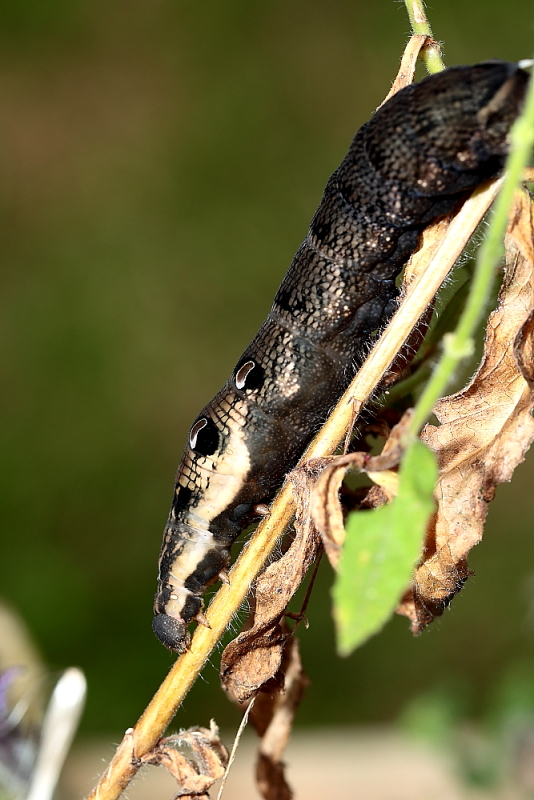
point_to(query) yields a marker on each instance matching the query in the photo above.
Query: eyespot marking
(242, 372)
(204, 437)
(249, 375)
(195, 430)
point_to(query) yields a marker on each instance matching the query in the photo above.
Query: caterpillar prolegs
(419, 155)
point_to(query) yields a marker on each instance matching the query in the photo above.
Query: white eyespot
(242, 372)
(195, 430)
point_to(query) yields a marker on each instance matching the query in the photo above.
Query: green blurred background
(160, 164)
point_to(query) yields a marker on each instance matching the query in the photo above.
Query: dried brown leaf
(274, 718)
(205, 763)
(485, 430)
(271, 780)
(374, 498)
(325, 506)
(252, 659)
(255, 656)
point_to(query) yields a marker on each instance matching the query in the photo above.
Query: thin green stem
(459, 344)
(431, 54)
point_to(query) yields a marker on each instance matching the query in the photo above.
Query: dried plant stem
(405, 75)
(431, 53)
(419, 293)
(239, 734)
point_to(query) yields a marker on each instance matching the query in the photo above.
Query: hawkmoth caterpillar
(420, 154)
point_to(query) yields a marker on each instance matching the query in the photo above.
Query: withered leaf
(254, 657)
(380, 551)
(205, 762)
(271, 780)
(485, 430)
(273, 718)
(325, 506)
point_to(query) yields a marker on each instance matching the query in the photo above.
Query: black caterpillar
(420, 154)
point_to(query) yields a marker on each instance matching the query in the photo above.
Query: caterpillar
(420, 154)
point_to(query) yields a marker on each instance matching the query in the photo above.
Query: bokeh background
(160, 163)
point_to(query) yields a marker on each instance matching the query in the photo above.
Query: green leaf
(380, 551)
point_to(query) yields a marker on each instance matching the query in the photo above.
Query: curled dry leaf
(485, 430)
(325, 506)
(326, 509)
(273, 716)
(205, 762)
(255, 656)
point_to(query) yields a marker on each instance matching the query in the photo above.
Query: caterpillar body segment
(415, 160)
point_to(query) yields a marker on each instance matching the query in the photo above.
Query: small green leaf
(380, 552)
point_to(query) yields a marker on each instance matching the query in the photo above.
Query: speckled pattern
(414, 161)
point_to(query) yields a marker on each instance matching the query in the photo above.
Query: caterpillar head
(171, 632)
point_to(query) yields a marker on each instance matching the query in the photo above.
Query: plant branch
(431, 53)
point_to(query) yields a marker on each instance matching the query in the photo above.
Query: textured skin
(419, 155)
